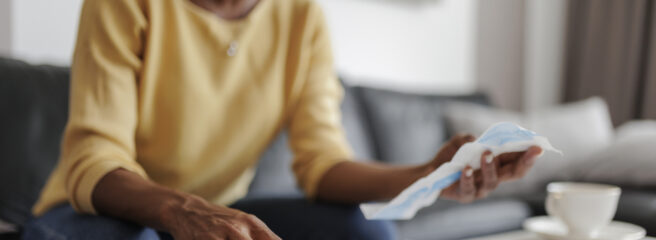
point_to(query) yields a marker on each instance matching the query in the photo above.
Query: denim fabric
(290, 218)
(63, 223)
(297, 218)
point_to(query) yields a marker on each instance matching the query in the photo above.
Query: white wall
(5, 27)
(417, 46)
(43, 31)
(510, 49)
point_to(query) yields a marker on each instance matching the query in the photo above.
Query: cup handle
(551, 206)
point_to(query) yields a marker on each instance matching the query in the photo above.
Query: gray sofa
(398, 128)
(393, 127)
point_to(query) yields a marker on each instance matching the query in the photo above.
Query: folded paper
(499, 138)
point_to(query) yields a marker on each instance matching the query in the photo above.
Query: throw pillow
(635, 128)
(630, 161)
(578, 129)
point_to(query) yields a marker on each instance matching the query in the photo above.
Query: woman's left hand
(478, 184)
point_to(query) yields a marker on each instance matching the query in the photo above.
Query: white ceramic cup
(585, 208)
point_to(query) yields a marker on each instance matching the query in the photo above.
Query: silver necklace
(232, 48)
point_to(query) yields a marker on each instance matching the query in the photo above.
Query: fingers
(473, 186)
(512, 157)
(489, 175)
(237, 234)
(509, 158)
(521, 165)
(234, 231)
(450, 148)
(534, 152)
(247, 227)
(467, 188)
(259, 230)
(506, 172)
(461, 139)
(457, 141)
(526, 161)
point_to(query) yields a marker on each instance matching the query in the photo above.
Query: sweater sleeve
(316, 135)
(99, 136)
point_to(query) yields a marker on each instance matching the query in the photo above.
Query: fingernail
(541, 151)
(469, 172)
(489, 158)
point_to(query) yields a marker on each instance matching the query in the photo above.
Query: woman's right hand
(125, 195)
(195, 218)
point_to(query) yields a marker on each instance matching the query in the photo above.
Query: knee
(360, 228)
(63, 223)
(300, 219)
(379, 230)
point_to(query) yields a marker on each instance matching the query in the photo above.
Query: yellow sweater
(158, 89)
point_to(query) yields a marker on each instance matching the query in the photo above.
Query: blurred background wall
(5, 23)
(40, 31)
(510, 49)
(429, 45)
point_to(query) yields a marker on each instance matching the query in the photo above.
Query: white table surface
(521, 235)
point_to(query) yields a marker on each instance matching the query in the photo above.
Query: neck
(227, 9)
(227, 2)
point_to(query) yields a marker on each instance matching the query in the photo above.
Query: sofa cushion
(578, 129)
(638, 206)
(274, 177)
(451, 220)
(273, 174)
(628, 162)
(34, 105)
(356, 124)
(408, 128)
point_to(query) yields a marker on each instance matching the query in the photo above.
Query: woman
(172, 102)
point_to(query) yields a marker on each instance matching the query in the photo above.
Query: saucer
(550, 228)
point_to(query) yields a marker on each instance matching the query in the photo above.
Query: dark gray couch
(393, 127)
(398, 128)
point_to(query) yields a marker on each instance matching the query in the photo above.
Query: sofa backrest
(33, 113)
(274, 176)
(397, 128)
(34, 110)
(408, 128)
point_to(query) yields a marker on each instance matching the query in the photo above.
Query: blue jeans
(290, 218)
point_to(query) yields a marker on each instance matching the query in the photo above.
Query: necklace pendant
(232, 49)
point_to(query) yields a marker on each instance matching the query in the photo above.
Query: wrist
(171, 209)
(406, 178)
(428, 168)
